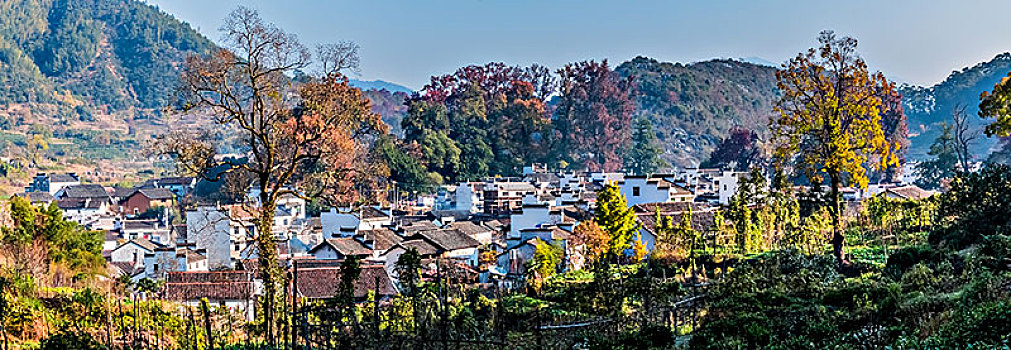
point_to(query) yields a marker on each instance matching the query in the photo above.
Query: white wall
(466, 198)
(727, 184)
(129, 252)
(529, 217)
(211, 229)
(648, 191)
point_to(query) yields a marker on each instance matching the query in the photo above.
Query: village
(486, 230)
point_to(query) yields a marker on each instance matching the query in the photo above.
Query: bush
(68, 340)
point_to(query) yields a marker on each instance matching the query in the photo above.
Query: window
(635, 191)
(155, 267)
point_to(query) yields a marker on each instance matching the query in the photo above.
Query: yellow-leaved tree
(828, 120)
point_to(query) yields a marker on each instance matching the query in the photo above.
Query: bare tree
(964, 135)
(311, 140)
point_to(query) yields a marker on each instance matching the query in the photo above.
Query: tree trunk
(270, 272)
(836, 211)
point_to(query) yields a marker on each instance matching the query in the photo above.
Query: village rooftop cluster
(487, 230)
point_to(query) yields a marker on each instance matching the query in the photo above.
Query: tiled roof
(469, 228)
(320, 283)
(216, 285)
(910, 192)
(211, 291)
(37, 197)
(143, 243)
(210, 277)
(458, 215)
(516, 186)
(86, 191)
(122, 192)
(174, 181)
(372, 213)
(63, 178)
(423, 247)
(449, 239)
(382, 239)
(157, 193)
(79, 203)
(345, 246)
(141, 225)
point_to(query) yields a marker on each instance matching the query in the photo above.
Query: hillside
(930, 106)
(111, 54)
(88, 80)
(693, 106)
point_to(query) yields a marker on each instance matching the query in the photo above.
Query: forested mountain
(112, 54)
(693, 106)
(928, 107)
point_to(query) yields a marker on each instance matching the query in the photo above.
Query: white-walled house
(220, 235)
(173, 259)
(645, 189)
(235, 290)
(470, 196)
(727, 183)
(52, 183)
(133, 251)
(532, 216)
(338, 223)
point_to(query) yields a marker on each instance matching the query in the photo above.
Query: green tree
(547, 259)
(408, 173)
(829, 119)
(644, 155)
(944, 151)
(615, 217)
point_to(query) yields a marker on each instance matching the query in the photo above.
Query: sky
(406, 42)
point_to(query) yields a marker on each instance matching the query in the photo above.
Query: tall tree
(594, 115)
(312, 140)
(739, 151)
(615, 217)
(829, 119)
(946, 159)
(963, 134)
(644, 155)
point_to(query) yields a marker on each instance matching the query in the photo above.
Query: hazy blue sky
(407, 41)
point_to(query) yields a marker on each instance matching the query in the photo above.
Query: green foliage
(67, 243)
(69, 340)
(975, 207)
(48, 46)
(945, 160)
(547, 259)
(408, 272)
(616, 219)
(405, 169)
(644, 155)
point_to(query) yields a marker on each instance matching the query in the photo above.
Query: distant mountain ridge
(928, 107)
(380, 85)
